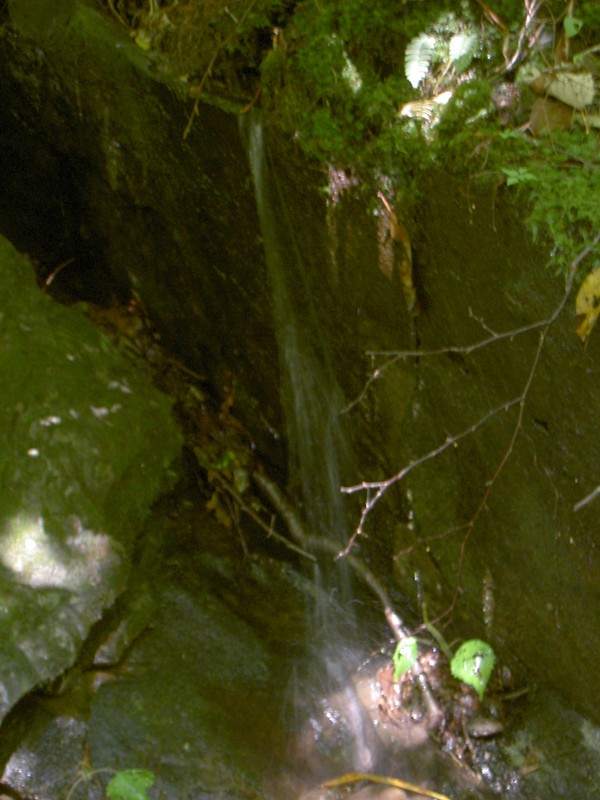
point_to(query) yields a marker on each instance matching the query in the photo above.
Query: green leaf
(572, 26)
(462, 50)
(417, 58)
(517, 175)
(130, 784)
(473, 663)
(405, 656)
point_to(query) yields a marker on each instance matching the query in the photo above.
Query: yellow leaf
(143, 39)
(587, 304)
(221, 513)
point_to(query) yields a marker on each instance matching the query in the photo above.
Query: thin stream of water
(312, 399)
(317, 442)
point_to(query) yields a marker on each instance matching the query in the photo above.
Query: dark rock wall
(177, 221)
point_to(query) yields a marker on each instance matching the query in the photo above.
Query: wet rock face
(193, 692)
(530, 557)
(178, 221)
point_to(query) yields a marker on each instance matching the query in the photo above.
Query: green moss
(565, 198)
(339, 86)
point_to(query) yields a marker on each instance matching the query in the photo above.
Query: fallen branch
(309, 541)
(587, 499)
(229, 489)
(353, 777)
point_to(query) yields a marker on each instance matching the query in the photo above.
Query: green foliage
(462, 49)
(518, 175)
(405, 655)
(465, 114)
(130, 784)
(358, 83)
(417, 58)
(565, 201)
(559, 180)
(473, 664)
(572, 26)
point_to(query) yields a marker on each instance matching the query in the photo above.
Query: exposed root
(353, 777)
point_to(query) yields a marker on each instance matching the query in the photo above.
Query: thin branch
(587, 499)
(209, 68)
(399, 355)
(531, 7)
(230, 490)
(375, 490)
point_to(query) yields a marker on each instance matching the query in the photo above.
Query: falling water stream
(312, 398)
(318, 445)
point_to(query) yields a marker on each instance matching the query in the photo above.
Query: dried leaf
(221, 513)
(401, 255)
(587, 304)
(550, 115)
(575, 88)
(425, 109)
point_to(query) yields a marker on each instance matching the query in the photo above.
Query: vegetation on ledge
(504, 93)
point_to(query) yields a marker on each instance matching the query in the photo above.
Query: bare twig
(230, 490)
(587, 499)
(374, 490)
(531, 9)
(354, 777)
(401, 355)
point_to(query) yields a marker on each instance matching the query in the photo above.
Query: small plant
(405, 655)
(130, 784)
(127, 784)
(518, 175)
(472, 663)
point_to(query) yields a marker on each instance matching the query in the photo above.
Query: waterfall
(318, 446)
(311, 396)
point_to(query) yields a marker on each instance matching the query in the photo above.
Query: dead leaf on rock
(587, 304)
(215, 504)
(550, 115)
(574, 88)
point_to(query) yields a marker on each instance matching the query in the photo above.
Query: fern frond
(462, 50)
(417, 58)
